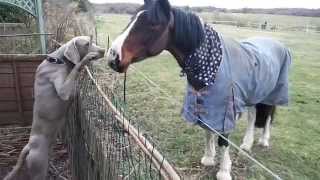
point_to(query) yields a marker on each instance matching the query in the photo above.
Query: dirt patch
(12, 140)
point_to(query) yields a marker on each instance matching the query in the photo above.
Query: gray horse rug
(224, 76)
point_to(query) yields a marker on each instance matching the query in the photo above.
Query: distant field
(295, 135)
(282, 20)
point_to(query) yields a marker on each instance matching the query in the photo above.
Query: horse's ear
(166, 7)
(171, 21)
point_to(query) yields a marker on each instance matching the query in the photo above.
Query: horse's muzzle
(113, 60)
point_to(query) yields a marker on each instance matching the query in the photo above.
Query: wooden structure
(16, 88)
(34, 8)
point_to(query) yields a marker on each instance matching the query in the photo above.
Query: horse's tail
(19, 165)
(263, 111)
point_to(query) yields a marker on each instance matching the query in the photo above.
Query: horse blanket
(251, 71)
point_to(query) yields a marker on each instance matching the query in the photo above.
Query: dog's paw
(208, 161)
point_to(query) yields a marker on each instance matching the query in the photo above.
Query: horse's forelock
(158, 12)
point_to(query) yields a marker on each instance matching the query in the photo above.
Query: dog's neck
(68, 63)
(60, 60)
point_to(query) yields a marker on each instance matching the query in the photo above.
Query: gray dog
(53, 89)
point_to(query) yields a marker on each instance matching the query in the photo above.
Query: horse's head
(148, 34)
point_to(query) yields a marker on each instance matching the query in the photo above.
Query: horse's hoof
(246, 147)
(263, 142)
(223, 175)
(208, 161)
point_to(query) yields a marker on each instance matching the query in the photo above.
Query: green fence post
(41, 26)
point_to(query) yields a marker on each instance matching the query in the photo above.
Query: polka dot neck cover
(202, 65)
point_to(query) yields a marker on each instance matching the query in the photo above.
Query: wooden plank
(8, 106)
(26, 93)
(17, 85)
(22, 64)
(9, 118)
(17, 73)
(27, 105)
(13, 118)
(6, 68)
(6, 80)
(6, 71)
(21, 57)
(8, 94)
(28, 67)
(26, 79)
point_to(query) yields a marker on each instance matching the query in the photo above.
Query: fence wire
(22, 43)
(100, 147)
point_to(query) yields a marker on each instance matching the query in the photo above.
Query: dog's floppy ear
(71, 52)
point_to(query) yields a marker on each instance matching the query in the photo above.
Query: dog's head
(77, 48)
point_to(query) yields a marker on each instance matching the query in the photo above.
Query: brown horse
(157, 27)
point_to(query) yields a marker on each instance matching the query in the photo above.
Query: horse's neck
(179, 56)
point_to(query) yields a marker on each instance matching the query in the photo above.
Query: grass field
(295, 143)
(282, 21)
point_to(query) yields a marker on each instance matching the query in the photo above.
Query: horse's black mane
(188, 29)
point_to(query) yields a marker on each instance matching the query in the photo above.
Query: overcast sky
(233, 3)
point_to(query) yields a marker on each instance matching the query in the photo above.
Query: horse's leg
(264, 139)
(249, 136)
(210, 151)
(224, 172)
(264, 118)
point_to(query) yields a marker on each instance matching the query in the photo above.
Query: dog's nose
(102, 51)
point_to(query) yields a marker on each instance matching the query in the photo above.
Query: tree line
(130, 8)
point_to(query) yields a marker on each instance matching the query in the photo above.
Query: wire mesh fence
(102, 142)
(22, 43)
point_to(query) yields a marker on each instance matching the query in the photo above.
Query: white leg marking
(118, 42)
(225, 165)
(264, 139)
(238, 116)
(249, 136)
(209, 151)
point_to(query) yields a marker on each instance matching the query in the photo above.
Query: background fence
(22, 43)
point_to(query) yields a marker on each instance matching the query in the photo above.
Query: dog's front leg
(66, 86)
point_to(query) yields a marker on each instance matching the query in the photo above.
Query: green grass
(282, 20)
(295, 143)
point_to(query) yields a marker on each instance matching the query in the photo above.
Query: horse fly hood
(250, 72)
(202, 65)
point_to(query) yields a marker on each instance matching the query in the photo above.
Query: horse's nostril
(113, 55)
(117, 59)
(113, 59)
(112, 64)
(113, 52)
